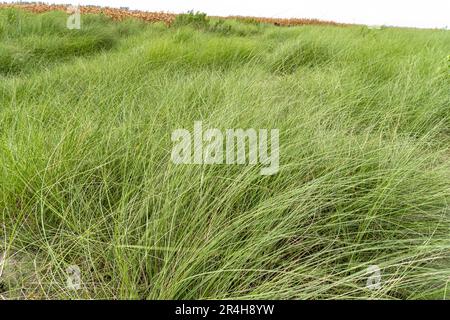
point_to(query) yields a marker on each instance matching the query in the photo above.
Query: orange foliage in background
(167, 18)
(116, 14)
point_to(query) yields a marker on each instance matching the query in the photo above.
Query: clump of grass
(52, 49)
(12, 59)
(290, 57)
(29, 40)
(197, 20)
(226, 27)
(232, 27)
(190, 51)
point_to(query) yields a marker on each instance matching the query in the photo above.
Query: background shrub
(197, 20)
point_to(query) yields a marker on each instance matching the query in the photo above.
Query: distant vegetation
(199, 21)
(167, 18)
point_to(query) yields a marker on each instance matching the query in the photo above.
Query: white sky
(411, 13)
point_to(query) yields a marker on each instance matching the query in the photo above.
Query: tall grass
(28, 40)
(86, 177)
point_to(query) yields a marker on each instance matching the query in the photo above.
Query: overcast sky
(412, 13)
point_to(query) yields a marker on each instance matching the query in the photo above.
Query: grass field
(86, 179)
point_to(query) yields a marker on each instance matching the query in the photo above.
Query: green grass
(28, 40)
(86, 178)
